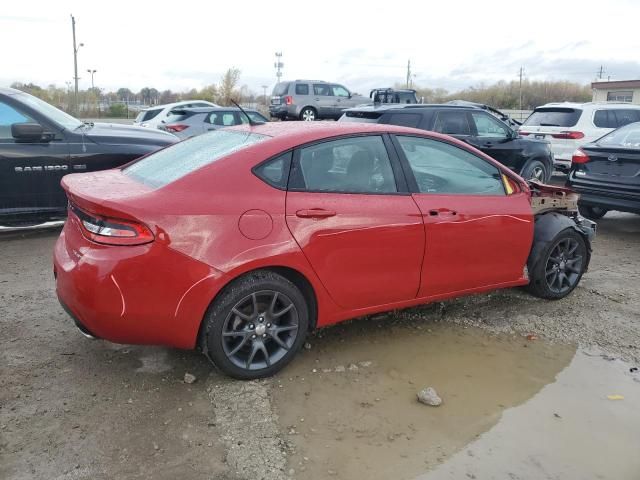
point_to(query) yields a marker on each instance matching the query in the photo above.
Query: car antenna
(252, 122)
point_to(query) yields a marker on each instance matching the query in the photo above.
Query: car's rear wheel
(256, 326)
(536, 170)
(559, 268)
(592, 212)
(308, 114)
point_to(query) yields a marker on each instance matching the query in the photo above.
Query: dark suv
(530, 158)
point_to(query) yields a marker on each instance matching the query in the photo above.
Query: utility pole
(278, 65)
(408, 73)
(600, 72)
(75, 63)
(520, 74)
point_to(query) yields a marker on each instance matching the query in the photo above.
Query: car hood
(118, 134)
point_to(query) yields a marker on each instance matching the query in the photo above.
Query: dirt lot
(345, 408)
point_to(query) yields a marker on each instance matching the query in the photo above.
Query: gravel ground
(73, 408)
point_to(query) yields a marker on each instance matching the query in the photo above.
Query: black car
(606, 173)
(530, 158)
(39, 144)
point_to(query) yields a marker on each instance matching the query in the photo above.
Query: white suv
(157, 116)
(568, 126)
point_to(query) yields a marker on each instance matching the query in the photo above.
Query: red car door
(477, 235)
(363, 238)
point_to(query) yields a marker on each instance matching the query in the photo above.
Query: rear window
(553, 117)
(281, 88)
(149, 114)
(362, 117)
(180, 159)
(403, 119)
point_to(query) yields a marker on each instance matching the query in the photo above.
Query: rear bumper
(610, 197)
(145, 294)
(610, 201)
(279, 111)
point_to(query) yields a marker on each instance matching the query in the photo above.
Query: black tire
(308, 114)
(565, 255)
(536, 170)
(592, 212)
(248, 353)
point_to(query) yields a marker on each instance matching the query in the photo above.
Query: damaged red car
(240, 241)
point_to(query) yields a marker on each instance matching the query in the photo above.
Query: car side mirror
(27, 131)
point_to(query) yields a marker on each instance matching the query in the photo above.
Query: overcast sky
(451, 44)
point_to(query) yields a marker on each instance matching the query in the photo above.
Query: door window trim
(295, 171)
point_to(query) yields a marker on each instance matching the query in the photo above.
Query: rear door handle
(315, 213)
(441, 212)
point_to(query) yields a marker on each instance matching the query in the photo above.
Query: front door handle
(315, 213)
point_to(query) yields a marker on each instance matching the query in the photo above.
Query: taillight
(176, 127)
(288, 100)
(579, 156)
(523, 133)
(567, 135)
(111, 231)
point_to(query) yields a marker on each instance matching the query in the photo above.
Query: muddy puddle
(348, 405)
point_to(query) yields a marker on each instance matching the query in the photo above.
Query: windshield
(174, 162)
(58, 116)
(624, 137)
(553, 117)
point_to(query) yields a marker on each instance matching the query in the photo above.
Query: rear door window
(452, 122)
(222, 119)
(302, 89)
(321, 89)
(553, 117)
(625, 117)
(348, 165)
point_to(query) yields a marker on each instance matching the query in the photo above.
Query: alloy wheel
(564, 266)
(308, 115)
(260, 329)
(538, 173)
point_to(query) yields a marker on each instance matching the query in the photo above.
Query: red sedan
(240, 241)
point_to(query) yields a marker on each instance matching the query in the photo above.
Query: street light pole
(92, 72)
(264, 94)
(75, 62)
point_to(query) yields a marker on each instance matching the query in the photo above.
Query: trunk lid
(611, 165)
